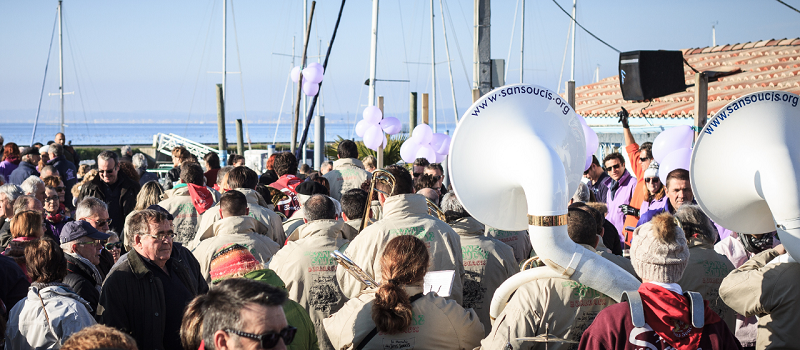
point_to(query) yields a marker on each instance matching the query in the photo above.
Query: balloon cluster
(424, 143)
(373, 127)
(312, 76)
(592, 142)
(672, 149)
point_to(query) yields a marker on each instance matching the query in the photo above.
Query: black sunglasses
(269, 340)
(651, 179)
(615, 166)
(643, 159)
(417, 174)
(110, 246)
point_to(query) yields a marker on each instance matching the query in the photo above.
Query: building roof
(754, 66)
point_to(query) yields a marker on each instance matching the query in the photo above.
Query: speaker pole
(424, 108)
(571, 93)
(700, 102)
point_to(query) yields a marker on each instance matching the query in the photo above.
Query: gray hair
(106, 156)
(88, 207)
(319, 207)
(582, 194)
(695, 223)
(138, 223)
(125, 150)
(56, 149)
(11, 191)
(30, 185)
(452, 208)
(139, 161)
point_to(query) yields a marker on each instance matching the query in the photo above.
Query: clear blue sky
(152, 57)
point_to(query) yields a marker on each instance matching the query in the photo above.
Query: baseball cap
(77, 229)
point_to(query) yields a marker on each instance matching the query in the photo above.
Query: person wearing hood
(304, 191)
(27, 166)
(706, 267)
(81, 244)
(620, 191)
(244, 180)
(52, 311)
(487, 261)
(235, 226)
(306, 265)
(348, 172)
(404, 213)
(235, 261)
(188, 200)
(659, 255)
(285, 166)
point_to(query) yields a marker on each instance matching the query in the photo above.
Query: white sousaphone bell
(531, 148)
(745, 169)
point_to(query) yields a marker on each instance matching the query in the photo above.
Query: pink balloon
(427, 152)
(591, 140)
(362, 126)
(677, 159)
(440, 158)
(316, 66)
(408, 151)
(441, 143)
(310, 89)
(385, 142)
(422, 133)
(295, 74)
(373, 114)
(390, 125)
(588, 162)
(373, 137)
(312, 74)
(672, 139)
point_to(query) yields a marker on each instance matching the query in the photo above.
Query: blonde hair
(99, 337)
(151, 193)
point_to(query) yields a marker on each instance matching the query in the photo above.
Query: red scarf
(669, 315)
(201, 198)
(61, 214)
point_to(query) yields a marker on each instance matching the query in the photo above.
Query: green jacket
(296, 315)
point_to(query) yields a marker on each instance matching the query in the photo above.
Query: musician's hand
(629, 210)
(623, 118)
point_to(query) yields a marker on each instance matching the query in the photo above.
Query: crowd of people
(213, 257)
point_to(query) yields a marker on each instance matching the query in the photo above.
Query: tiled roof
(756, 66)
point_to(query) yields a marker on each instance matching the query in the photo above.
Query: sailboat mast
(60, 67)
(224, 48)
(433, 73)
(572, 69)
(373, 53)
(522, 45)
(449, 68)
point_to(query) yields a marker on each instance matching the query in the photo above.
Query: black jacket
(121, 199)
(22, 172)
(68, 173)
(80, 280)
(5, 234)
(132, 298)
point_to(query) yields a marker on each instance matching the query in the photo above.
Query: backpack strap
(696, 308)
(374, 331)
(637, 308)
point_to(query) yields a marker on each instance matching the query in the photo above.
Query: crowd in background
(212, 257)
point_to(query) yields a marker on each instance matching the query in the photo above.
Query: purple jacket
(655, 204)
(6, 168)
(619, 193)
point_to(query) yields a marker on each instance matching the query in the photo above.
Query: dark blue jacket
(68, 173)
(22, 172)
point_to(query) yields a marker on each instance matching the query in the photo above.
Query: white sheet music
(440, 282)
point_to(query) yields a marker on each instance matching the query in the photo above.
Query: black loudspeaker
(649, 74)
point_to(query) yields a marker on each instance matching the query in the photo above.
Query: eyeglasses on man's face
(160, 237)
(270, 339)
(613, 167)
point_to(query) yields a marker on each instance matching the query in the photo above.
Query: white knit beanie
(652, 170)
(659, 251)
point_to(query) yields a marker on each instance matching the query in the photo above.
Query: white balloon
(670, 140)
(373, 137)
(588, 162)
(373, 114)
(296, 74)
(440, 158)
(391, 125)
(408, 151)
(362, 126)
(427, 152)
(312, 75)
(316, 66)
(422, 133)
(677, 159)
(591, 140)
(310, 89)
(385, 142)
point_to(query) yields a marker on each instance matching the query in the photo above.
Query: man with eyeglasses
(437, 172)
(244, 314)
(146, 291)
(66, 170)
(116, 190)
(598, 180)
(620, 190)
(81, 244)
(95, 212)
